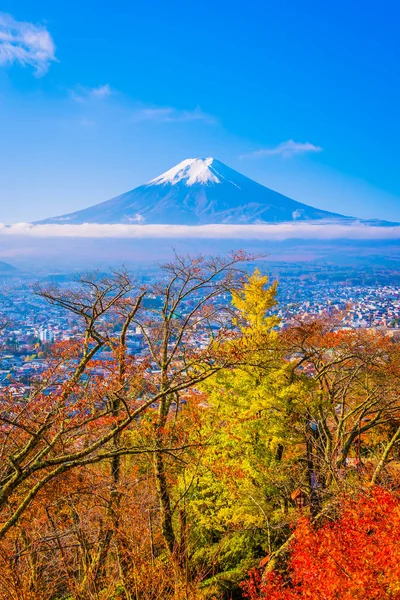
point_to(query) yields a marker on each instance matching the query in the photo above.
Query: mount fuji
(200, 191)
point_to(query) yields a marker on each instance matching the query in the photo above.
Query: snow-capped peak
(190, 171)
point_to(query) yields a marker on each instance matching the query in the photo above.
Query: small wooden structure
(299, 498)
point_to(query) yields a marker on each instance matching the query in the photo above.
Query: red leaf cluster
(354, 557)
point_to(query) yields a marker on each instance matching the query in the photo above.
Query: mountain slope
(6, 269)
(198, 192)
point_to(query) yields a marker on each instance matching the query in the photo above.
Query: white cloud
(285, 149)
(82, 94)
(26, 44)
(103, 91)
(172, 115)
(137, 112)
(282, 231)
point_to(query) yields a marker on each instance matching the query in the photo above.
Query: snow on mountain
(190, 171)
(199, 191)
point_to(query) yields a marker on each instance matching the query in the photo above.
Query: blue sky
(97, 98)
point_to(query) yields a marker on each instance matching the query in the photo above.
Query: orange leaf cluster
(355, 557)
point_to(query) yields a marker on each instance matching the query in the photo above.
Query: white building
(46, 336)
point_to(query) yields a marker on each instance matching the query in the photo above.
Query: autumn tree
(236, 486)
(162, 452)
(351, 405)
(356, 555)
(85, 409)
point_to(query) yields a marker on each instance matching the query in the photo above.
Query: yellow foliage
(255, 300)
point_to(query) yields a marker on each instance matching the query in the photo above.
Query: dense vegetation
(182, 471)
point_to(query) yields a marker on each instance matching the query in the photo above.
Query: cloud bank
(279, 232)
(285, 149)
(25, 44)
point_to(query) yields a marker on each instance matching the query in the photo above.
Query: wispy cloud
(26, 44)
(82, 94)
(284, 149)
(103, 91)
(277, 232)
(172, 115)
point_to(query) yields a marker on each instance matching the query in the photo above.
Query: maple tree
(350, 402)
(85, 410)
(354, 556)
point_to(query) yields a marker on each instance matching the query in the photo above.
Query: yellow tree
(253, 303)
(238, 486)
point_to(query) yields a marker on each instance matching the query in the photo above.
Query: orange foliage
(355, 557)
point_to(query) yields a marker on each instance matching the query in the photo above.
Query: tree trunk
(164, 497)
(385, 456)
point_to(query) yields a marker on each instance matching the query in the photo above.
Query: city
(29, 325)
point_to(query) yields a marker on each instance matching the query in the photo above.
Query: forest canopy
(186, 446)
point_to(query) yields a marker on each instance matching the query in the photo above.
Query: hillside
(6, 268)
